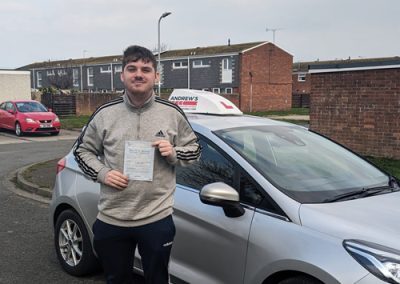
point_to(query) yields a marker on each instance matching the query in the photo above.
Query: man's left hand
(165, 148)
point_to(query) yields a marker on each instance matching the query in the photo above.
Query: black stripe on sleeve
(86, 169)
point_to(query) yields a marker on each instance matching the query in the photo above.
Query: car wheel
(18, 130)
(73, 245)
(300, 279)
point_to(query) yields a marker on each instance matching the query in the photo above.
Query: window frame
(90, 77)
(75, 77)
(118, 69)
(229, 92)
(201, 65)
(61, 72)
(39, 79)
(301, 77)
(179, 65)
(105, 69)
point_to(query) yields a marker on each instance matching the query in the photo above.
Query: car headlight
(30, 120)
(381, 261)
(56, 119)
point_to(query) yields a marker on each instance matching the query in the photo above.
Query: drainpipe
(251, 91)
(33, 78)
(188, 63)
(112, 78)
(81, 78)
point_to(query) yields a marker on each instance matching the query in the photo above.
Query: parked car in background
(28, 116)
(268, 202)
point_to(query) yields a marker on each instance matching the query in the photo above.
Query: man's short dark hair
(134, 53)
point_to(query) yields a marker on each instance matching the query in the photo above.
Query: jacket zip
(138, 125)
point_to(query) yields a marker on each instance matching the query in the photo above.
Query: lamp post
(159, 51)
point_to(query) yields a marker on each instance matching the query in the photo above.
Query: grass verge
(389, 165)
(293, 111)
(71, 122)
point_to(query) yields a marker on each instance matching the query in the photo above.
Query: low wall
(359, 109)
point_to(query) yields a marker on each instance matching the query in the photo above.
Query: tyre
(300, 279)
(18, 130)
(73, 245)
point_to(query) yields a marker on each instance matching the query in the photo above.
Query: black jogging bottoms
(116, 246)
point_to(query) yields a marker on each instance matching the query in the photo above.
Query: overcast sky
(38, 30)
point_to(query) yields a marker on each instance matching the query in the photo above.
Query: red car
(28, 116)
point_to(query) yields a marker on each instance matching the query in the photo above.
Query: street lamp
(159, 51)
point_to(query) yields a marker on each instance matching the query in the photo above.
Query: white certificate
(139, 160)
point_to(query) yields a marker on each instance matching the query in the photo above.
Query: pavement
(39, 178)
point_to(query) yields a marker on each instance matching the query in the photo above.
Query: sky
(41, 30)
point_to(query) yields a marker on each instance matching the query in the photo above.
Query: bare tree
(61, 78)
(163, 47)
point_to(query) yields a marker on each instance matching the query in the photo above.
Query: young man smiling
(139, 138)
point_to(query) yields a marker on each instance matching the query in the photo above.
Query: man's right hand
(116, 179)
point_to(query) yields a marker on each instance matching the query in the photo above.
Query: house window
(216, 90)
(39, 79)
(228, 91)
(75, 77)
(118, 69)
(301, 77)
(226, 70)
(90, 76)
(180, 65)
(199, 64)
(50, 73)
(61, 72)
(105, 69)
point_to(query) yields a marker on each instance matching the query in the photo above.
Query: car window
(10, 106)
(30, 107)
(304, 165)
(212, 167)
(3, 106)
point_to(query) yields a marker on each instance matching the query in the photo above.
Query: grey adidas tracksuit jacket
(117, 121)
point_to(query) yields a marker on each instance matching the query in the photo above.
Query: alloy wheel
(70, 242)
(18, 130)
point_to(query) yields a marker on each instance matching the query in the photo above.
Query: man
(135, 206)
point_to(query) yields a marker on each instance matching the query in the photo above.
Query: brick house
(357, 103)
(255, 76)
(301, 87)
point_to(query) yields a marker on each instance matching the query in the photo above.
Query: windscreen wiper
(364, 192)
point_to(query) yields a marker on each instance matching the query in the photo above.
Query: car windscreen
(30, 107)
(302, 164)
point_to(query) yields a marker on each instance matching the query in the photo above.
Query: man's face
(139, 77)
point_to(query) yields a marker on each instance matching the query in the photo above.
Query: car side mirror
(10, 111)
(222, 195)
(50, 110)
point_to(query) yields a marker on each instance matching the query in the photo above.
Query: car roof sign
(197, 101)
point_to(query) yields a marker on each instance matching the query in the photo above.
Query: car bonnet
(374, 219)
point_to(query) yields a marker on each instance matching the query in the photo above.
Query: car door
(9, 117)
(209, 247)
(2, 114)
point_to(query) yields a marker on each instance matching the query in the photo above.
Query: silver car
(268, 202)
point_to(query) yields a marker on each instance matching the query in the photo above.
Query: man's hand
(165, 148)
(116, 179)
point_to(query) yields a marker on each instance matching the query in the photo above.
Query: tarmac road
(26, 242)
(26, 238)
